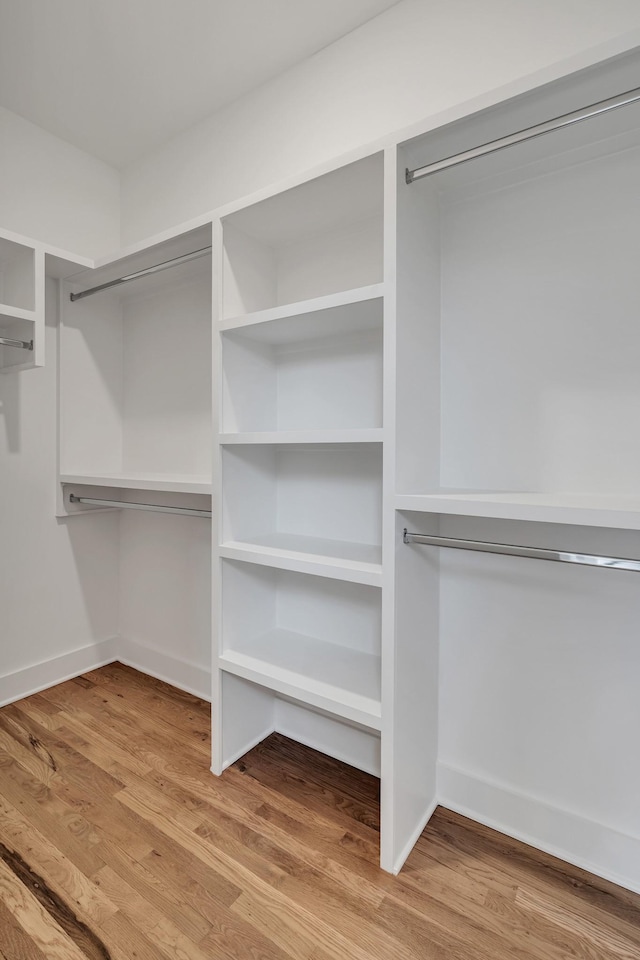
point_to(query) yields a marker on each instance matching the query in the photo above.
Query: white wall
(418, 58)
(53, 192)
(57, 579)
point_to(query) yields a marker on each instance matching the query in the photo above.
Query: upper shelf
(325, 316)
(319, 238)
(170, 483)
(581, 509)
(17, 313)
(372, 435)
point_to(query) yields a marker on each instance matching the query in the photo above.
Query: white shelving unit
(21, 303)
(300, 356)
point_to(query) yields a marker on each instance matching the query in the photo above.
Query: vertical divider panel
(216, 498)
(411, 584)
(39, 303)
(387, 653)
(249, 717)
(242, 713)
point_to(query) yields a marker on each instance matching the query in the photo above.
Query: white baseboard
(40, 676)
(596, 847)
(186, 676)
(178, 673)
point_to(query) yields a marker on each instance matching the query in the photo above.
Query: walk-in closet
(355, 456)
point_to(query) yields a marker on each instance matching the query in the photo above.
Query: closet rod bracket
(20, 344)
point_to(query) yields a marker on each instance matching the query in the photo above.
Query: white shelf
(334, 678)
(372, 435)
(318, 317)
(170, 483)
(17, 313)
(592, 510)
(337, 559)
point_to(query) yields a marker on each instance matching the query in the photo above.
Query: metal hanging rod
(151, 507)
(185, 258)
(21, 344)
(533, 553)
(568, 119)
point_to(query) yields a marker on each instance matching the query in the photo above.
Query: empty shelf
(592, 510)
(338, 559)
(171, 483)
(347, 311)
(372, 435)
(325, 675)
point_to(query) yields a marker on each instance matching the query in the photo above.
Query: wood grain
(117, 842)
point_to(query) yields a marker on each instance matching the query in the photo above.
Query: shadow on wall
(92, 576)
(10, 412)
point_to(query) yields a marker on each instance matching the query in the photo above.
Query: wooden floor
(116, 842)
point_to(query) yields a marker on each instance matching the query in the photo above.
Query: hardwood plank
(126, 940)
(153, 923)
(57, 871)
(296, 931)
(209, 892)
(230, 859)
(61, 823)
(521, 863)
(97, 748)
(286, 779)
(47, 747)
(15, 944)
(150, 729)
(108, 821)
(55, 931)
(126, 679)
(624, 944)
(232, 937)
(166, 898)
(183, 710)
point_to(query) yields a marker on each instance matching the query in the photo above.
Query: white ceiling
(119, 77)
